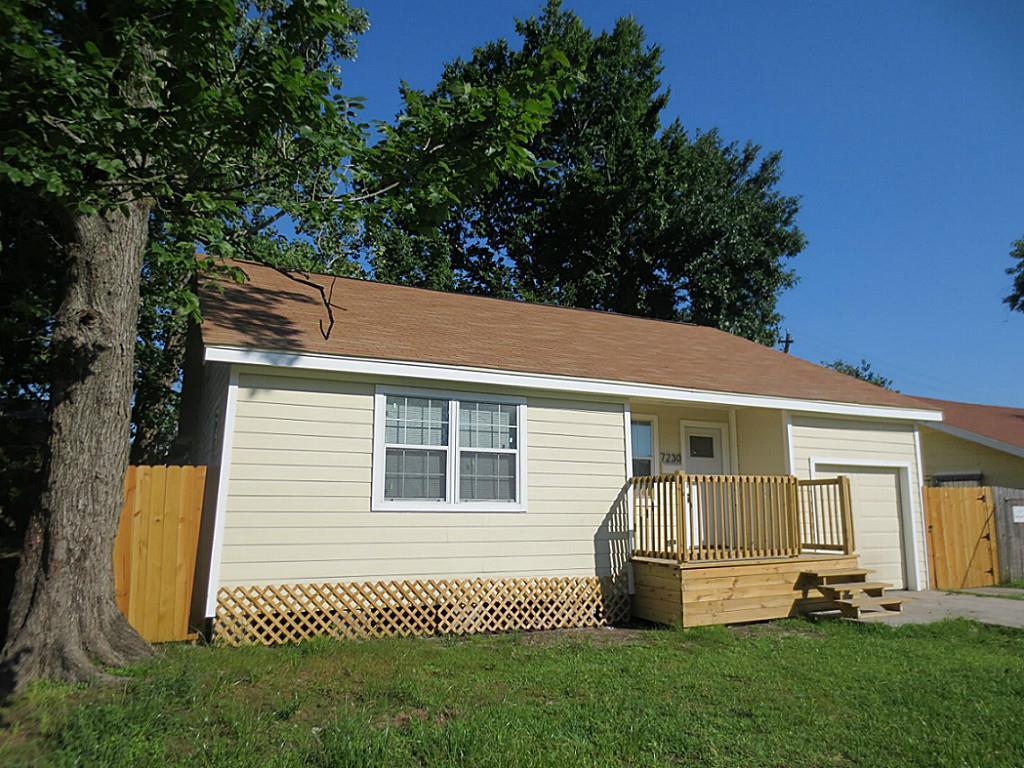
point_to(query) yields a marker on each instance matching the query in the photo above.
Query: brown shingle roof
(992, 421)
(376, 320)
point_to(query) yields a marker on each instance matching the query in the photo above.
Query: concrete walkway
(996, 591)
(926, 607)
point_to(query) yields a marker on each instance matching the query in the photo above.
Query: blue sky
(901, 127)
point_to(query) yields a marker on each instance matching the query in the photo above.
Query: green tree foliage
(864, 372)
(628, 214)
(314, 177)
(1016, 298)
(30, 290)
(149, 128)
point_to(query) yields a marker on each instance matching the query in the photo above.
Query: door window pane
(702, 447)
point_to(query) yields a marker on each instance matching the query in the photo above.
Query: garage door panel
(875, 495)
(873, 539)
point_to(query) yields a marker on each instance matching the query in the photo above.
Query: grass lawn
(785, 694)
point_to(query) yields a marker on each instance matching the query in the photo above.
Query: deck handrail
(687, 517)
(826, 518)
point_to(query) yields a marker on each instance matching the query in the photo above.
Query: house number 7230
(671, 458)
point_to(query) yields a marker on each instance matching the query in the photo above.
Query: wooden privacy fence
(961, 528)
(1009, 511)
(270, 615)
(155, 548)
(687, 517)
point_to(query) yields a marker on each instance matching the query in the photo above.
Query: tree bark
(64, 621)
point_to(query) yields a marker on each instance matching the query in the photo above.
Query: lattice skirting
(270, 615)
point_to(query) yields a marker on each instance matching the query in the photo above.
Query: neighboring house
(974, 445)
(429, 435)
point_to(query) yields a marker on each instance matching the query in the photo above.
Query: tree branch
(59, 125)
(376, 193)
(325, 296)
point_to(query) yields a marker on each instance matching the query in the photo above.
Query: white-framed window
(644, 441)
(448, 451)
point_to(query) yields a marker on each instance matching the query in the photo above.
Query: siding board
(946, 454)
(299, 499)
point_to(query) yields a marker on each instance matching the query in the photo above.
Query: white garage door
(877, 519)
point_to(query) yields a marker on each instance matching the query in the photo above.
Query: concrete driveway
(929, 606)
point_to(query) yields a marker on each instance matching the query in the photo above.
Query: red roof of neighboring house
(373, 320)
(995, 422)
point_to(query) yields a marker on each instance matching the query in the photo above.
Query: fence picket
(155, 548)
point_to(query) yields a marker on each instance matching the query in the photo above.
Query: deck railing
(687, 517)
(826, 522)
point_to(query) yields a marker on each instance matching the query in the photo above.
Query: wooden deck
(725, 549)
(692, 594)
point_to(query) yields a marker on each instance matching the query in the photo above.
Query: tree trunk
(64, 622)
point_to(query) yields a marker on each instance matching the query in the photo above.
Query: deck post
(847, 516)
(793, 516)
(680, 518)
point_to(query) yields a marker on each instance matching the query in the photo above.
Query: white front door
(703, 452)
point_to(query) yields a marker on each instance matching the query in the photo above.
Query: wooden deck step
(852, 609)
(833, 575)
(838, 572)
(848, 593)
(868, 602)
(855, 586)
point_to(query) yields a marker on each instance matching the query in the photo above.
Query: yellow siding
(761, 442)
(863, 441)
(760, 434)
(299, 496)
(942, 453)
(669, 418)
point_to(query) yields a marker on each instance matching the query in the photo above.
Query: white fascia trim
(373, 367)
(223, 480)
(974, 437)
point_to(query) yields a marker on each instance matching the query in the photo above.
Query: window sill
(465, 507)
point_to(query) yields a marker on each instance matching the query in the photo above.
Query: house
(394, 444)
(974, 445)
